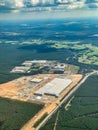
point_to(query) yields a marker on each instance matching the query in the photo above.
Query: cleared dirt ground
(10, 90)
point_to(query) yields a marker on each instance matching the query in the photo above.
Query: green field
(82, 114)
(71, 69)
(86, 52)
(14, 114)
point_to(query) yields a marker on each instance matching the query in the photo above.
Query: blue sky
(35, 9)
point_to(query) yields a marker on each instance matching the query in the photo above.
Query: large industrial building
(55, 87)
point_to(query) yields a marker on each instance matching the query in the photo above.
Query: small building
(39, 61)
(27, 63)
(30, 62)
(20, 69)
(36, 80)
(59, 67)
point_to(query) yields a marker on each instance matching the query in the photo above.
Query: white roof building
(55, 87)
(36, 80)
(35, 61)
(20, 69)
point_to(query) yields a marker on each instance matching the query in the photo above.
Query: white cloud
(12, 3)
(62, 4)
(76, 4)
(34, 2)
(19, 3)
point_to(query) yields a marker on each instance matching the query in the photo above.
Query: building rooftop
(55, 87)
(36, 80)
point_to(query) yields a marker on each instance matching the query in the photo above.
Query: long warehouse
(55, 87)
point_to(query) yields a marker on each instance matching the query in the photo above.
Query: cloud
(12, 3)
(48, 4)
(19, 3)
(76, 4)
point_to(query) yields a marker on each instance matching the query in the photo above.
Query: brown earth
(10, 90)
(50, 107)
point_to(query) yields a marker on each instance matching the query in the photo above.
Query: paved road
(66, 98)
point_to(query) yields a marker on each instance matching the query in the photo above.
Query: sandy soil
(50, 107)
(10, 90)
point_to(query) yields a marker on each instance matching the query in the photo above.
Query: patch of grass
(86, 52)
(72, 68)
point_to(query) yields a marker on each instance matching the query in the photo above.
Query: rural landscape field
(79, 54)
(65, 41)
(48, 65)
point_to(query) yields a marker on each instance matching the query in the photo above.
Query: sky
(37, 9)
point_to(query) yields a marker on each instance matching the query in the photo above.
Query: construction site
(46, 89)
